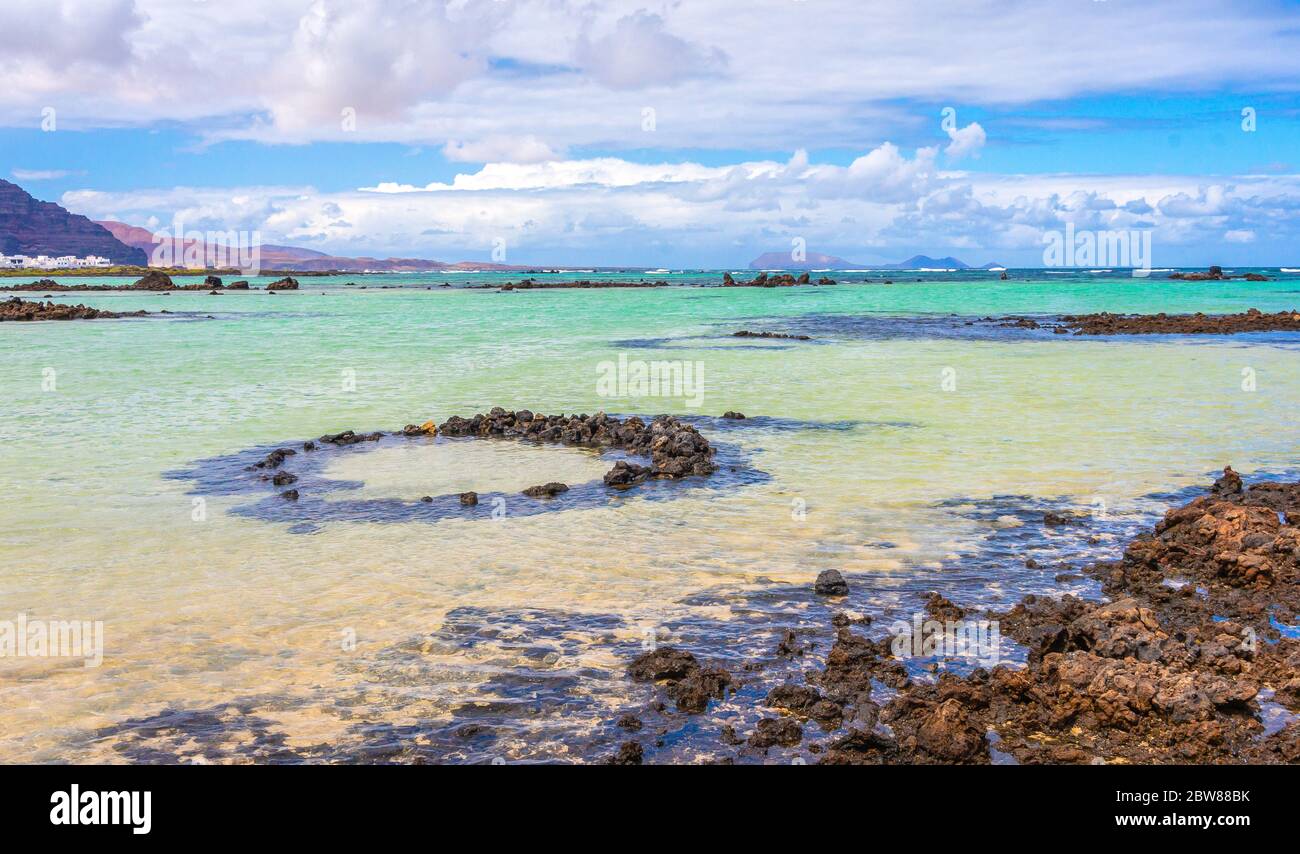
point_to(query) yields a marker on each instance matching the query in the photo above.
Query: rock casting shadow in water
(680, 461)
(226, 732)
(533, 701)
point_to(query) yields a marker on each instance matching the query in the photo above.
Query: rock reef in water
(1106, 323)
(533, 284)
(675, 449)
(775, 280)
(19, 309)
(1253, 320)
(688, 683)
(1216, 274)
(1159, 673)
(745, 333)
(546, 490)
(154, 280)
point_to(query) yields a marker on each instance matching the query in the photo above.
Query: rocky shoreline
(154, 280)
(1106, 323)
(1175, 667)
(18, 309)
(775, 280)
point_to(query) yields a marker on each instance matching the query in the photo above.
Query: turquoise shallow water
(905, 448)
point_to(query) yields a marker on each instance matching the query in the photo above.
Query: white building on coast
(47, 262)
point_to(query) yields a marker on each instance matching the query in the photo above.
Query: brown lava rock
(830, 583)
(16, 308)
(689, 684)
(546, 490)
(771, 732)
(942, 608)
(666, 662)
(675, 449)
(1155, 674)
(629, 753)
(154, 280)
(1252, 320)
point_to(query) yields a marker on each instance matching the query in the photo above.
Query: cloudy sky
(689, 133)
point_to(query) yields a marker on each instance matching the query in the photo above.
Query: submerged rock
(275, 458)
(629, 753)
(546, 490)
(693, 692)
(771, 732)
(941, 608)
(347, 437)
(745, 333)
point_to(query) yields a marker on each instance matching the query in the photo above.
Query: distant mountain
(274, 257)
(29, 226)
(813, 261)
(817, 261)
(919, 262)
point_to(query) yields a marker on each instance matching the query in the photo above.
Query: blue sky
(676, 134)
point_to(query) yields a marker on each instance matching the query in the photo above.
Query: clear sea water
(901, 446)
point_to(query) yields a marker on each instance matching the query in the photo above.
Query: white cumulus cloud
(967, 140)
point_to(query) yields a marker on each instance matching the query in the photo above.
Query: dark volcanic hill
(32, 227)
